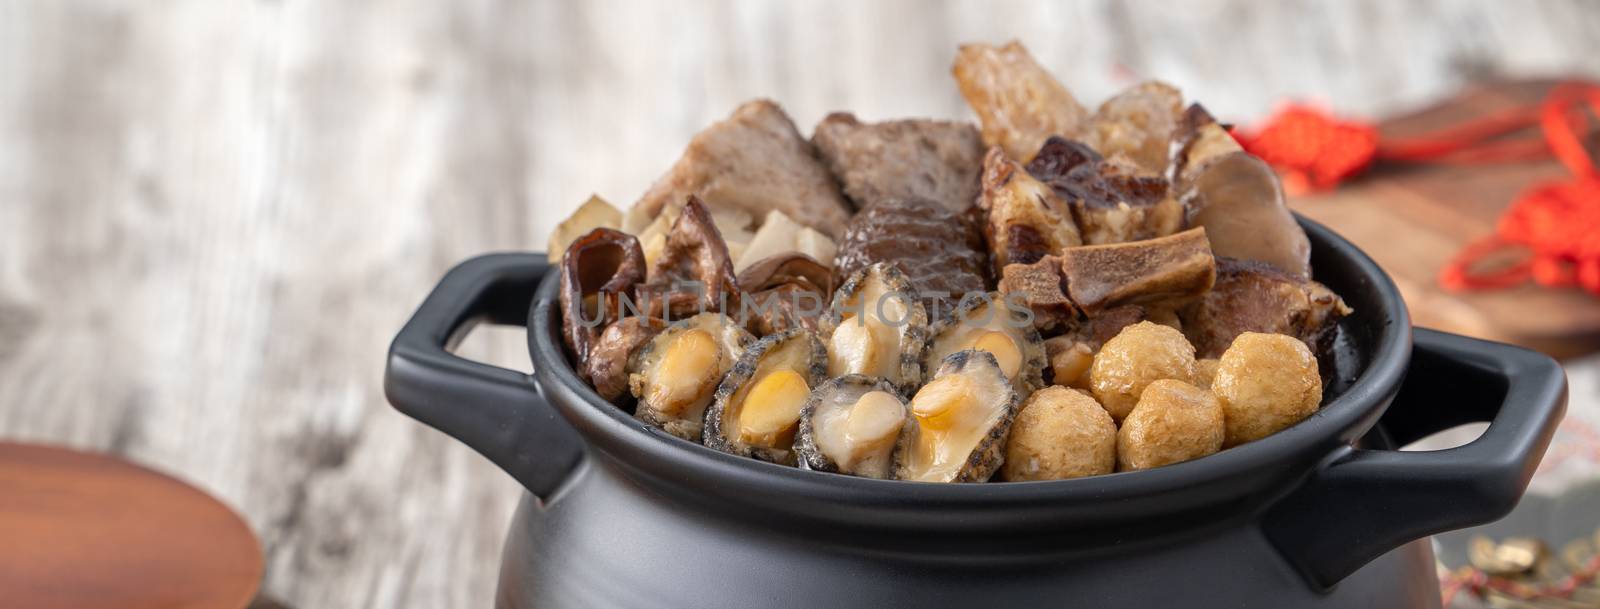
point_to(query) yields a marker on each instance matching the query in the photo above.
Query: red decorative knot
(1314, 150)
(1553, 227)
(1551, 232)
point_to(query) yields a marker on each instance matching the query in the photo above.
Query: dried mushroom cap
(1238, 200)
(960, 418)
(675, 375)
(1138, 124)
(1017, 101)
(784, 292)
(876, 327)
(1236, 197)
(785, 269)
(1027, 220)
(850, 425)
(1169, 270)
(901, 159)
(991, 324)
(596, 271)
(1112, 200)
(607, 364)
(694, 256)
(754, 161)
(756, 410)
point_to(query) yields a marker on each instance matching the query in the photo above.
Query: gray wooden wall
(214, 215)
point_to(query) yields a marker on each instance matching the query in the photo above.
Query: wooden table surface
(214, 215)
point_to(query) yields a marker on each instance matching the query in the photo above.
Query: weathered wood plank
(213, 216)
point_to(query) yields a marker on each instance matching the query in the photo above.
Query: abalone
(850, 426)
(1001, 328)
(756, 410)
(675, 375)
(876, 327)
(960, 421)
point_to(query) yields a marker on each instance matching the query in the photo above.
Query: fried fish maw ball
(1173, 422)
(1204, 371)
(1266, 382)
(1069, 361)
(1139, 355)
(1061, 433)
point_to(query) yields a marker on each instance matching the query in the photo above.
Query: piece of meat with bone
(1042, 288)
(1112, 200)
(1251, 296)
(938, 250)
(1169, 270)
(754, 162)
(901, 159)
(1026, 219)
(1095, 289)
(1017, 101)
(1236, 197)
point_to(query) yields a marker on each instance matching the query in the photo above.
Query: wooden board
(85, 531)
(1413, 219)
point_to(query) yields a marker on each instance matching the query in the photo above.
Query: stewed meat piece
(754, 162)
(1252, 296)
(903, 159)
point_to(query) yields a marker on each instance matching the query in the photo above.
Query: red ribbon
(1551, 232)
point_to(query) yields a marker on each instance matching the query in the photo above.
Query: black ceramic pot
(1322, 514)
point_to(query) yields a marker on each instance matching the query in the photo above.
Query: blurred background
(215, 215)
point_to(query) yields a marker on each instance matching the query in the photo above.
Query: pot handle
(1361, 504)
(498, 412)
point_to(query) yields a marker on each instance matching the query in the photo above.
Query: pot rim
(687, 466)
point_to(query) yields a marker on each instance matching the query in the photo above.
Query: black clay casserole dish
(1323, 514)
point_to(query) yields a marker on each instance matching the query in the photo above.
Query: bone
(1166, 270)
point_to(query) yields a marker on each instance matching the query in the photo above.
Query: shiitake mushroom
(694, 274)
(597, 271)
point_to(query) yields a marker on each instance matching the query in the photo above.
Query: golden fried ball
(1130, 361)
(1060, 433)
(1204, 371)
(1173, 422)
(1266, 382)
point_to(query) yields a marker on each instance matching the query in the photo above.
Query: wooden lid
(87, 531)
